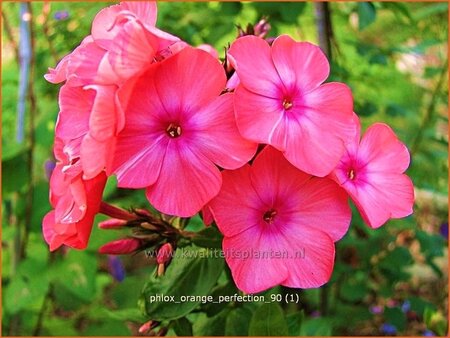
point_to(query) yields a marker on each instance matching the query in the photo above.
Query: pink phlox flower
(372, 172)
(279, 223)
(281, 100)
(178, 128)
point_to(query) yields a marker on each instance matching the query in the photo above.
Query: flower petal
(251, 57)
(138, 159)
(189, 79)
(217, 135)
(324, 125)
(186, 183)
(311, 257)
(59, 73)
(382, 196)
(73, 119)
(323, 205)
(285, 180)
(381, 150)
(135, 47)
(96, 156)
(260, 118)
(249, 257)
(84, 64)
(237, 190)
(146, 11)
(103, 117)
(301, 65)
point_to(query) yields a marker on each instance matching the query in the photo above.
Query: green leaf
(193, 272)
(132, 314)
(294, 321)
(366, 14)
(354, 291)
(316, 327)
(396, 317)
(77, 274)
(212, 308)
(211, 326)
(107, 328)
(419, 305)
(268, 320)
(183, 327)
(431, 245)
(209, 237)
(237, 322)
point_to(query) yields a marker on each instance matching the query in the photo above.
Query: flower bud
(120, 247)
(261, 28)
(151, 324)
(143, 212)
(163, 257)
(164, 253)
(112, 223)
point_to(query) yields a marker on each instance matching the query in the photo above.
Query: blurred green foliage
(392, 55)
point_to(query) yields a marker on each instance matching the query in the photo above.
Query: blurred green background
(390, 281)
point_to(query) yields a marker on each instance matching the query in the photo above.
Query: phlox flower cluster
(260, 143)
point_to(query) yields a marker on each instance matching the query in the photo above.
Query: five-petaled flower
(271, 206)
(281, 101)
(372, 172)
(178, 129)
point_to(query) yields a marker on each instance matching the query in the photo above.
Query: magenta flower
(279, 224)
(281, 101)
(372, 172)
(178, 128)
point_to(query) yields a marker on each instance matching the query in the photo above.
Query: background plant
(394, 57)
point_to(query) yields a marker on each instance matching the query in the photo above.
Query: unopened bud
(120, 247)
(145, 327)
(151, 324)
(261, 28)
(163, 257)
(164, 253)
(112, 223)
(143, 212)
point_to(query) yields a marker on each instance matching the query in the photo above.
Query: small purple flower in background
(116, 268)
(61, 15)
(406, 306)
(443, 229)
(428, 333)
(388, 329)
(315, 314)
(49, 165)
(376, 309)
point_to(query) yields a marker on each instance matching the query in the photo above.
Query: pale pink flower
(372, 172)
(272, 207)
(178, 128)
(281, 101)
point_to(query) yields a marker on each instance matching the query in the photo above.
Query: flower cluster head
(259, 144)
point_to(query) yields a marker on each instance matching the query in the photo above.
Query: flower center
(351, 174)
(173, 130)
(269, 216)
(287, 104)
